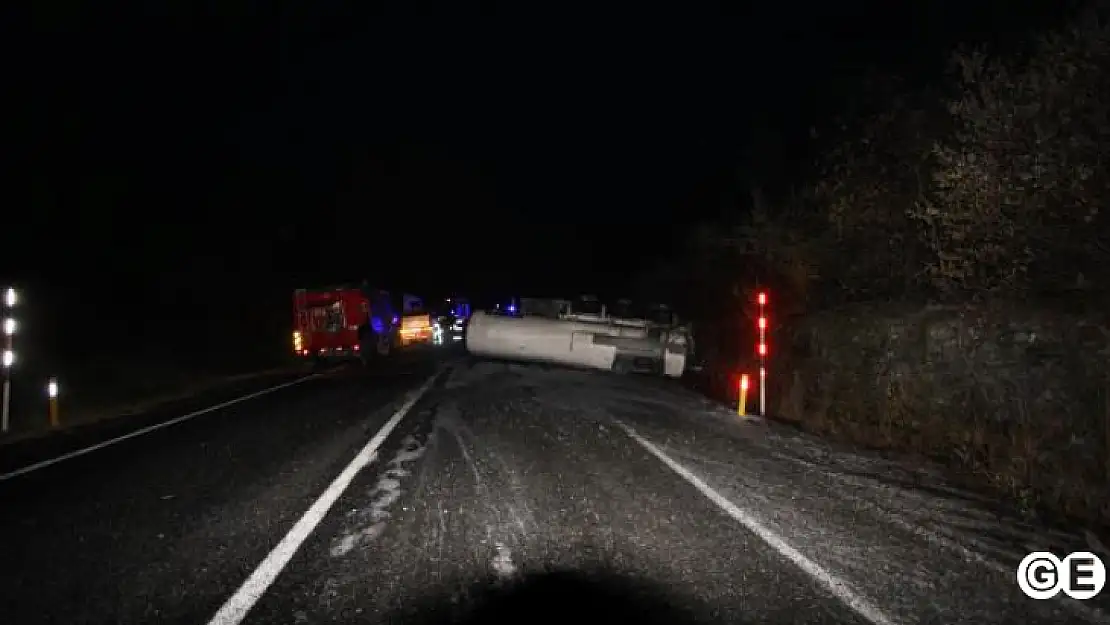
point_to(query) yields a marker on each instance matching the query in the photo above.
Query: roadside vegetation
(942, 272)
(108, 371)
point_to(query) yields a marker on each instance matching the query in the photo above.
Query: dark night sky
(218, 144)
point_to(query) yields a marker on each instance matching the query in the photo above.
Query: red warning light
(762, 298)
(762, 349)
(763, 323)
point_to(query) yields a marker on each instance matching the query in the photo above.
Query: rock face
(1017, 395)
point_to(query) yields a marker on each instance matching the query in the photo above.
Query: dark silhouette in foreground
(568, 598)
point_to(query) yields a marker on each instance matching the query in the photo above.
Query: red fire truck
(343, 322)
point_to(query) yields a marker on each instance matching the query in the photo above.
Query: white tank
(574, 343)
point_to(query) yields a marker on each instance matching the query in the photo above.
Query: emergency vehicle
(416, 324)
(416, 329)
(343, 322)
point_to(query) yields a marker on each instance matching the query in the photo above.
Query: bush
(1017, 185)
(1011, 397)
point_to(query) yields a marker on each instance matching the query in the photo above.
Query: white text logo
(1081, 575)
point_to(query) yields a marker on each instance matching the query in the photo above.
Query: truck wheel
(622, 365)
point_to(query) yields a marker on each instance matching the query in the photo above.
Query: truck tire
(622, 365)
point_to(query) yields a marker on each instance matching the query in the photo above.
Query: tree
(863, 190)
(995, 187)
(1014, 203)
(845, 234)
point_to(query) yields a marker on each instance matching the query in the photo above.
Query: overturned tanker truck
(583, 334)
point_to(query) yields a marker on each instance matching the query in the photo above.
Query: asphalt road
(500, 492)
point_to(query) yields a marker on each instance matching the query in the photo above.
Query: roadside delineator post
(742, 406)
(52, 402)
(761, 299)
(11, 298)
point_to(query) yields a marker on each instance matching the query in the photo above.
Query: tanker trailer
(594, 345)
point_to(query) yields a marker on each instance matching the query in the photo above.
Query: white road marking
(238, 605)
(148, 429)
(839, 588)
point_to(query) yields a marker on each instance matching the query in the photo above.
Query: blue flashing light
(377, 324)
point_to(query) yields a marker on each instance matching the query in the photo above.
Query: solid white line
(839, 588)
(235, 609)
(147, 430)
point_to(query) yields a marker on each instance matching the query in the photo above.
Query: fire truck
(343, 322)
